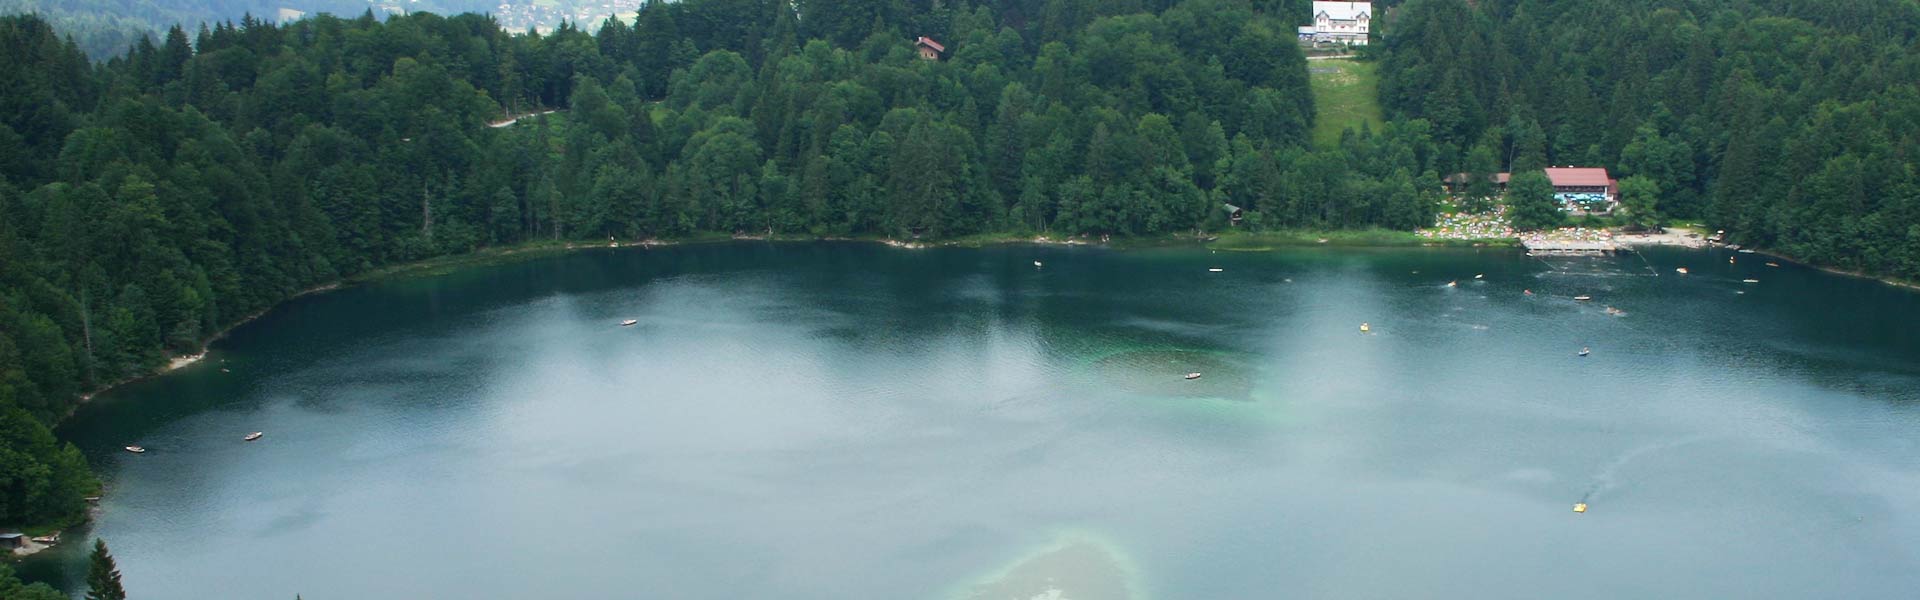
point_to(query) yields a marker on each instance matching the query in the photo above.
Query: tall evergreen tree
(1531, 204)
(103, 577)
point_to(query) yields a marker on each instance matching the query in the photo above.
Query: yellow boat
(1364, 328)
(1580, 507)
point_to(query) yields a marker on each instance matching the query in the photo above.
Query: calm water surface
(852, 421)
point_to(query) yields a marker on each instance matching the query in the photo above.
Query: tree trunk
(86, 330)
(426, 212)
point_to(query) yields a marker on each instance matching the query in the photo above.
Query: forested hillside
(157, 197)
(1793, 125)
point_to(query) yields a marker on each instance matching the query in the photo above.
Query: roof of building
(1342, 11)
(1499, 178)
(1307, 29)
(1578, 176)
(928, 42)
(4, 536)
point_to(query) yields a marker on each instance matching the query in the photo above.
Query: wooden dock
(1569, 248)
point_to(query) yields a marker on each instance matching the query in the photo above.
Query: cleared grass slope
(1346, 93)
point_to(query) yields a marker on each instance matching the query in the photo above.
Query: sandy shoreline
(1684, 238)
(963, 243)
(1676, 237)
(180, 362)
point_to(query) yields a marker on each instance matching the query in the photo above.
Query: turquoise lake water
(854, 421)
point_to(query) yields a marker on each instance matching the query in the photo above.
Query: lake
(854, 421)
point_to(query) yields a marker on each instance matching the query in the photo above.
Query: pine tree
(103, 578)
(1530, 202)
(1639, 200)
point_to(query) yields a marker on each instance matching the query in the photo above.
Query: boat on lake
(1773, 264)
(1583, 298)
(1215, 270)
(1749, 281)
(1681, 270)
(253, 436)
(1746, 251)
(1193, 376)
(136, 449)
(1580, 507)
(629, 322)
(1584, 352)
(1453, 284)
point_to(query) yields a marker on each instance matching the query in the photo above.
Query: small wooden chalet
(929, 49)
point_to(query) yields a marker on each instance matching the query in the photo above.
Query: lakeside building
(1345, 23)
(1457, 183)
(1584, 190)
(1579, 190)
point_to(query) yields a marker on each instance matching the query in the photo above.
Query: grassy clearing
(1344, 98)
(1370, 238)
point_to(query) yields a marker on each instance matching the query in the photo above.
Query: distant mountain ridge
(107, 28)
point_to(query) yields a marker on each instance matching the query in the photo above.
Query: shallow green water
(853, 421)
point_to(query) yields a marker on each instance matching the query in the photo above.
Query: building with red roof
(1583, 190)
(929, 49)
(1580, 190)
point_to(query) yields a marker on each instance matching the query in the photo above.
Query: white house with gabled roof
(1339, 23)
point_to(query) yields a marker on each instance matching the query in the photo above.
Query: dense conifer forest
(151, 199)
(1792, 125)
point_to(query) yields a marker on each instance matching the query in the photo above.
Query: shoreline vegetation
(1892, 281)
